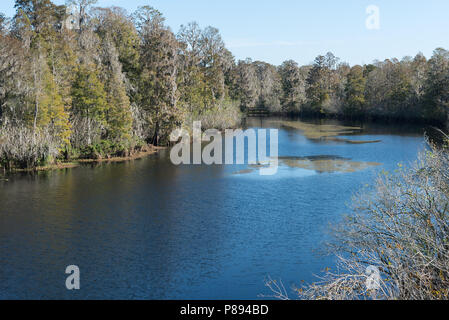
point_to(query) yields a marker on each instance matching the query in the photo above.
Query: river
(147, 229)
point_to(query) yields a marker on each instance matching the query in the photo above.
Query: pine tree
(317, 93)
(53, 111)
(119, 118)
(355, 92)
(89, 99)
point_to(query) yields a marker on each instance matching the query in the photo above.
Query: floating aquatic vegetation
(315, 158)
(246, 171)
(316, 131)
(259, 165)
(326, 164)
(320, 164)
(352, 141)
(326, 132)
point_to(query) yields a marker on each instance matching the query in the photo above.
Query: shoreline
(372, 118)
(78, 162)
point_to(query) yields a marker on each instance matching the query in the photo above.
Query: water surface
(149, 230)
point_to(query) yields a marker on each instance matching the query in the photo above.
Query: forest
(82, 82)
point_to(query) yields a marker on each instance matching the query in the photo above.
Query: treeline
(80, 81)
(90, 82)
(409, 89)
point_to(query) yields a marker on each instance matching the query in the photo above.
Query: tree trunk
(89, 140)
(155, 141)
(36, 103)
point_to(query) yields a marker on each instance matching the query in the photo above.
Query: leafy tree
(89, 99)
(317, 93)
(355, 92)
(54, 113)
(195, 95)
(247, 83)
(43, 16)
(159, 71)
(401, 91)
(418, 74)
(114, 26)
(293, 86)
(216, 59)
(269, 85)
(206, 73)
(389, 91)
(436, 98)
(322, 83)
(118, 116)
(14, 80)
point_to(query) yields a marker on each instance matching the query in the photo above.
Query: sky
(279, 30)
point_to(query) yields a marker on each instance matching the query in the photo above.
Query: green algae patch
(335, 139)
(319, 164)
(246, 171)
(316, 131)
(252, 168)
(327, 164)
(326, 132)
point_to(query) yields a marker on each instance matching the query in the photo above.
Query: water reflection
(146, 229)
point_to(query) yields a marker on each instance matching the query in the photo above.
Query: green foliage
(116, 29)
(53, 113)
(88, 95)
(317, 93)
(107, 149)
(118, 79)
(436, 98)
(292, 81)
(89, 99)
(355, 92)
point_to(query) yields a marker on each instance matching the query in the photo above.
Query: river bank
(60, 165)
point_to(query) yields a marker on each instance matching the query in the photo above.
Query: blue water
(149, 230)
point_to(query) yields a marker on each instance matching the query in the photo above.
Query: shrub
(401, 229)
(107, 149)
(224, 116)
(23, 148)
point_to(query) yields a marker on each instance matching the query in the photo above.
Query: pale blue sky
(275, 31)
